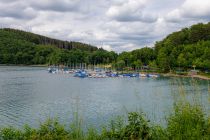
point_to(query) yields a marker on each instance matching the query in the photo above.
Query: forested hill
(192, 35)
(43, 40)
(180, 50)
(19, 47)
(185, 48)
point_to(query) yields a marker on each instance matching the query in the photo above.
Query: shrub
(187, 122)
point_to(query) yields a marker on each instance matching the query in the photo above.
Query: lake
(30, 95)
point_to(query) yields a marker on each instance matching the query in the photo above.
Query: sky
(115, 25)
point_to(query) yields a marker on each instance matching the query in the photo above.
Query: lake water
(30, 95)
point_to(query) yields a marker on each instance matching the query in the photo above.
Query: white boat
(142, 75)
(153, 75)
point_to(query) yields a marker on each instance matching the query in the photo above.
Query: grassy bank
(199, 76)
(186, 122)
(205, 74)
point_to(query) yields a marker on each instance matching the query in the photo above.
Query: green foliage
(158, 133)
(135, 59)
(187, 122)
(181, 60)
(11, 134)
(137, 127)
(120, 64)
(137, 64)
(13, 34)
(102, 57)
(145, 55)
(190, 46)
(153, 64)
(185, 48)
(163, 60)
(127, 57)
(51, 129)
(19, 47)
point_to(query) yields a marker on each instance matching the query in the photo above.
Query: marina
(100, 73)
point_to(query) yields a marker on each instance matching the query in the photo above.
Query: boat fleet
(100, 73)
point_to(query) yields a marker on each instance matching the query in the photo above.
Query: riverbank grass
(186, 122)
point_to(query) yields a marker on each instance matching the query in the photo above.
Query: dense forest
(183, 49)
(188, 47)
(19, 47)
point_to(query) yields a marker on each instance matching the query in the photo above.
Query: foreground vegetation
(187, 122)
(181, 50)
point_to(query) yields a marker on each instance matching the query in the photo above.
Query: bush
(136, 128)
(187, 122)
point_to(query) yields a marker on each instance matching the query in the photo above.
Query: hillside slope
(20, 47)
(43, 40)
(185, 48)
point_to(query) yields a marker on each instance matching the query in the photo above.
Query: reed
(188, 120)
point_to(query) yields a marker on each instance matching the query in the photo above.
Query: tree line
(183, 49)
(19, 47)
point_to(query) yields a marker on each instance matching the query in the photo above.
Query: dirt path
(201, 77)
(193, 76)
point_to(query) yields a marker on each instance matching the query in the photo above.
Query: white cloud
(55, 5)
(119, 25)
(106, 47)
(131, 10)
(190, 9)
(129, 47)
(196, 8)
(11, 10)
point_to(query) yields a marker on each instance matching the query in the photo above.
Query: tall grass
(187, 122)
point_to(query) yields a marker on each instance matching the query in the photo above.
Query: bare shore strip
(188, 76)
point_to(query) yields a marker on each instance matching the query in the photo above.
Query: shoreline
(186, 76)
(202, 77)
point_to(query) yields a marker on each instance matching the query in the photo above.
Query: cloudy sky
(118, 25)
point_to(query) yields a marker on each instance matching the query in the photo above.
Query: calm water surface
(30, 95)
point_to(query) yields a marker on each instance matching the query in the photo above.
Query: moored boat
(153, 75)
(81, 74)
(142, 75)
